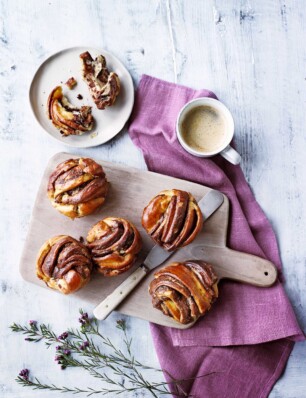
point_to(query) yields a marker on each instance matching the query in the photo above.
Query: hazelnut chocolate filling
(67, 118)
(104, 86)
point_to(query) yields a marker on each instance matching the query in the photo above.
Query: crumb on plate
(71, 83)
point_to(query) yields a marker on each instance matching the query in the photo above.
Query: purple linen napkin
(243, 314)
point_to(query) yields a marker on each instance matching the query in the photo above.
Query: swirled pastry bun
(114, 244)
(184, 291)
(172, 219)
(64, 264)
(77, 187)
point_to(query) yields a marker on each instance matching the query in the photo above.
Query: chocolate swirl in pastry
(67, 118)
(173, 219)
(103, 86)
(77, 187)
(64, 264)
(114, 244)
(184, 291)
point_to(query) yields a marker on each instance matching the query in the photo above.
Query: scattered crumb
(13, 67)
(81, 239)
(79, 96)
(93, 135)
(71, 83)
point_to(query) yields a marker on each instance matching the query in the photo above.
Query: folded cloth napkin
(230, 343)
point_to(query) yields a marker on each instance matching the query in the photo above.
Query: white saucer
(56, 70)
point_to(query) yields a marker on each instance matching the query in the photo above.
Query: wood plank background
(250, 53)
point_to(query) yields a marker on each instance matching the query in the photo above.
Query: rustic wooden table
(250, 53)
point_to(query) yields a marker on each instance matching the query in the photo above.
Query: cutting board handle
(249, 269)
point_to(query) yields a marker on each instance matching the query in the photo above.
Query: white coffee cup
(224, 149)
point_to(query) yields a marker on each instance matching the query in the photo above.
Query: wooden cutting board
(130, 191)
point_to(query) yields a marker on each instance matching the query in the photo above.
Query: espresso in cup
(204, 129)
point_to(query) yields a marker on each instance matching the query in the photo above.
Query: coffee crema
(204, 129)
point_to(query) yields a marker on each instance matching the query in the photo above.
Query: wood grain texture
(250, 53)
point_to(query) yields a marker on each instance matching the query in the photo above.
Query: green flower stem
(91, 359)
(38, 385)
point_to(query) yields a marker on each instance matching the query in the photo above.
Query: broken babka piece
(104, 86)
(67, 118)
(71, 83)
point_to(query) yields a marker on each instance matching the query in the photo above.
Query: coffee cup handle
(231, 155)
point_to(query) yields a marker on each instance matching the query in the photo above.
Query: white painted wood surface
(250, 53)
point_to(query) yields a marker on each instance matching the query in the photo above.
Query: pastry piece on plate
(172, 219)
(67, 118)
(104, 86)
(71, 83)
(184, 291)
(77, 187)
(114, 244)
(64, 264)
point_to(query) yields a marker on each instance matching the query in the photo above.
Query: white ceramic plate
(56, 70)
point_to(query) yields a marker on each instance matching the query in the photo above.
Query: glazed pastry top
(77, 187)
(64, 264)
(172, 218)
(114, 244)
(184, 291)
